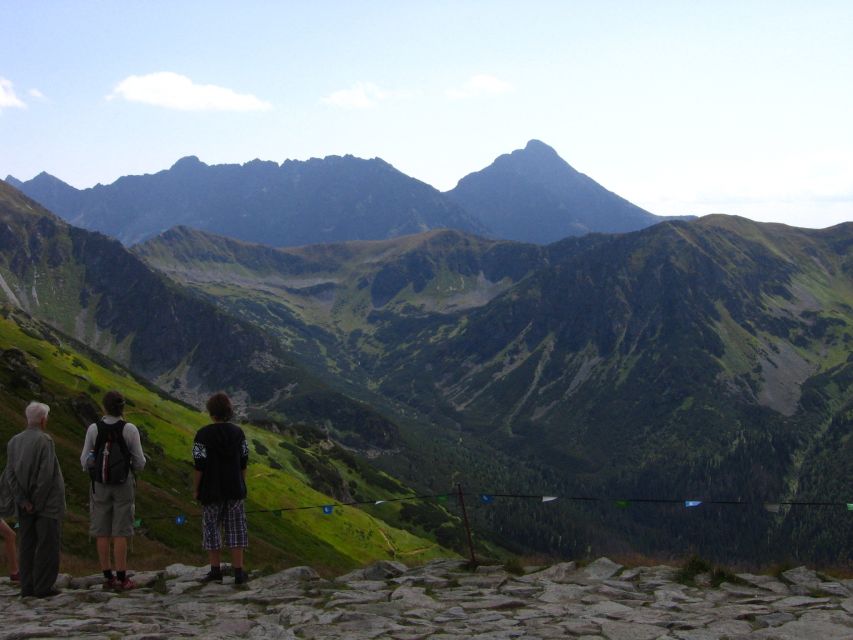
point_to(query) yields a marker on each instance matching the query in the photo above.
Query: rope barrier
(489, 498)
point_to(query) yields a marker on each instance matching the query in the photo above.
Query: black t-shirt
(221, 453)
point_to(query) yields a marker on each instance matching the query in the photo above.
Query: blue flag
(486, 499)
(692, 503)
(328, 509)
(181, 519)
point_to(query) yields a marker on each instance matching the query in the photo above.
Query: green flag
(623, 504)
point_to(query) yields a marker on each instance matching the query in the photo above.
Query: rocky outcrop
(442, 601)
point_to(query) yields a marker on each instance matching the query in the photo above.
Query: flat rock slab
(440, 600)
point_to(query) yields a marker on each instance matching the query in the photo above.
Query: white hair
(35, 412)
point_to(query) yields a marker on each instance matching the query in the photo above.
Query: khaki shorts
(111, 509)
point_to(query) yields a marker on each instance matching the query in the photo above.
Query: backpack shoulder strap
(101, 436)
(119, 430)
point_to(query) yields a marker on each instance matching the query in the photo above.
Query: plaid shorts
(229, 516)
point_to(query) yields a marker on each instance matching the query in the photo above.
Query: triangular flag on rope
(181, 519)
(441, 498)
(692, 503)
(328, 509)
(379, 502)
(137, 523)
(623, 504)
(772, 507)
(549, 498)
(17, 525)
(486, 498)
(850, 506)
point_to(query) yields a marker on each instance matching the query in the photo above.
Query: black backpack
(112, 457)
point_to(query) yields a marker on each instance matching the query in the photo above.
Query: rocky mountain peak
(188, 163)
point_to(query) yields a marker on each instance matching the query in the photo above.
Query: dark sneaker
(212, 576)
(241, 578)
(125, 585)
(112, 583)
(15, 577)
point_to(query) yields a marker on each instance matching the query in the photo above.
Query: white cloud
(479, 85)
(35, 93)
(174, 91)
(362, 95)
(8, 97)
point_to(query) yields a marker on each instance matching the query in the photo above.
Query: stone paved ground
(441, 601)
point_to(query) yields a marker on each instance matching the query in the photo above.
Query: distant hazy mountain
(296, 203)
(529, 195)
(533, 195)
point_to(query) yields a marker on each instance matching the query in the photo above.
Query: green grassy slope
(38, 363)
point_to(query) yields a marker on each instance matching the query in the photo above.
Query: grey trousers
(38, 553)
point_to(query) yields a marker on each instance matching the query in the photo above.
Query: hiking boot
(15, 577)
(112, 583)
(125, 585)
(212, 576)
(241, 578)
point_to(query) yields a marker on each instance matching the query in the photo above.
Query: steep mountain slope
(289, 469)
(533, 195)
(92, 288)
(703, 360)
(295, 203)
(319, 296)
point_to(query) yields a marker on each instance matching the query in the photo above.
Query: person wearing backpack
(220, 456)
(112, 455)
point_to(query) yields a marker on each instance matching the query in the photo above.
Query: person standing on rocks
(220, 456)
(33, 482)
(112, 454)
(11, 549)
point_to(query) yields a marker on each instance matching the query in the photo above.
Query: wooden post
(461, 498)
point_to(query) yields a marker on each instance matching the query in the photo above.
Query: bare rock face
(440, 600)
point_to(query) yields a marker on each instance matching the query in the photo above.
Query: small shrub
(514, 566)
(696, 566)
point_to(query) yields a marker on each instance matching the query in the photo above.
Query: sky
(682, 107)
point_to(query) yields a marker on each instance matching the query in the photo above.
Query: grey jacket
(32, 475)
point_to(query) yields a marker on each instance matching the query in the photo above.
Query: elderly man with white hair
(33, 481)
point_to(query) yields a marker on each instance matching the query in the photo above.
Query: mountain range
(704, 360)
(529, 195)
(90, 287)
(701, 360)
